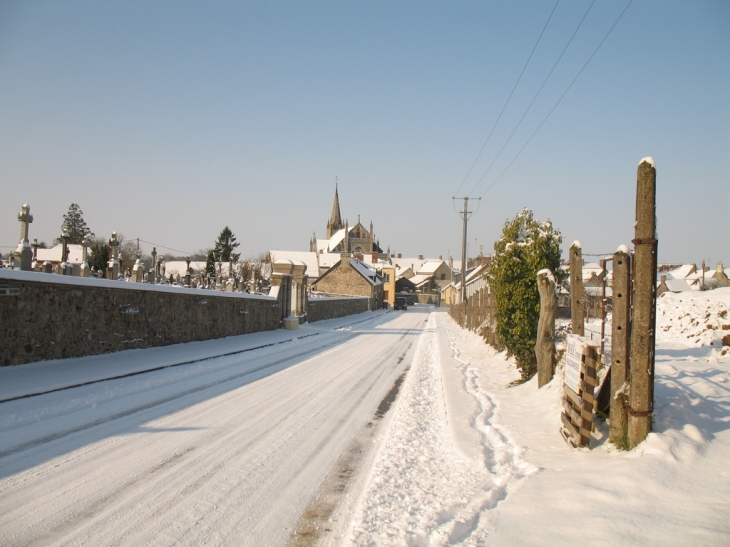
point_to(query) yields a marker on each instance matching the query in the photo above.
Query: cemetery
(62, 310)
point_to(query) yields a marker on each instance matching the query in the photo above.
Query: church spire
(335, 222)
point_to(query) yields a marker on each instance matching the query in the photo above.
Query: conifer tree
(75, 225)
(526, 247)
(225, 246)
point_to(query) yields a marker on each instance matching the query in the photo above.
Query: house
(672, 285)
(351, 277)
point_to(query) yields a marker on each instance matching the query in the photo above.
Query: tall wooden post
(642, 328)
(576, 289)
(620, 338)
(545, 343)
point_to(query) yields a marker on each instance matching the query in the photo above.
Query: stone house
(351, 277)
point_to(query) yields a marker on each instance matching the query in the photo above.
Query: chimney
(720, 267)
(375, 257)
(344, 258)
(400, 255)
(420, 257)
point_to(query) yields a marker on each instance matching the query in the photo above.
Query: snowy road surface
(224, 451)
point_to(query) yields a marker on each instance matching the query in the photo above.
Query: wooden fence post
(545, 343)
(641, 392)
(576, 289)
(620, 338)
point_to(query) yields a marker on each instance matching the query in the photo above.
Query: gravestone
(113, 264)
(84, 257)
(23, 252)
(34, 265)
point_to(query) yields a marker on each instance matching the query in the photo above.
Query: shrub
(526, 247)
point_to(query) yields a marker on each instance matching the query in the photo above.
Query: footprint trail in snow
(421, 490)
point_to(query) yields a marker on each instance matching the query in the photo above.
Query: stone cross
(23, 251)
(187, 271)
(113, 264)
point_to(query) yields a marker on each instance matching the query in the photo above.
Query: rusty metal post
(642, 328)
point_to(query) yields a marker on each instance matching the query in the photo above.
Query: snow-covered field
(232, 450)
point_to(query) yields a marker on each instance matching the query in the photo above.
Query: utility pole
(465, 215)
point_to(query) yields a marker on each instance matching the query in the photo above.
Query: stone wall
(329, 308)
(55, 317)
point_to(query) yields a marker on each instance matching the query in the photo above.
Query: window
(443, 276)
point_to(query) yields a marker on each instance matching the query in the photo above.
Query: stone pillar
(153, 277)
(620, 338)
(84, 257)
(576, 289)
(187, 272)
(545, 344)
(23, 253)
(641, 392)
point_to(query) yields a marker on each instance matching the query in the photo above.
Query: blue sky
(169, 120)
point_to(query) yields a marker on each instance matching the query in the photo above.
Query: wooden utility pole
(641, 392)
(545, 343)
(620, 346)
(576, 289)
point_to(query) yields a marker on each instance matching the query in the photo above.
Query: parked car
(400, 303)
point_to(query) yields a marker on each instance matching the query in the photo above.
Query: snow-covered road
(291, 439)
(221, 451)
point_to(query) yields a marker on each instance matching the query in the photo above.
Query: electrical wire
(535, 97)
(508, 98)
(163, 247)
(560, 99)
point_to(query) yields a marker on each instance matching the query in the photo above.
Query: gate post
(576, 289)
(641, 393)
(620, 338)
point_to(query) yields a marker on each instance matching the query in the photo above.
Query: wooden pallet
(578, 407)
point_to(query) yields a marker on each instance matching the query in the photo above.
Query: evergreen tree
(210, 263)
(99, 255)
(225, 246)
(75, 225)
(526, 247)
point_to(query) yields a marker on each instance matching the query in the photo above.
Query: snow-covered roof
(413, 263)
(174, 267)
(327, 260)
(683, 271)
(366, 271)
(677, 285)
(309, 258)
(418, 280)
(75, 253)
(430, 267)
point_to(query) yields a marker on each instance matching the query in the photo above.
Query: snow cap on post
(648, 160)
(622, 249)
(576, 244)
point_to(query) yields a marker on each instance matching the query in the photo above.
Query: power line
(535, 97)
(560, 99)
(508, 98)
(163, 247)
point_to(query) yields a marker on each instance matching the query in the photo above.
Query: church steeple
(335, 221)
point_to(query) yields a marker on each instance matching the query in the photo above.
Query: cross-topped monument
(112, 271)
(23, 252)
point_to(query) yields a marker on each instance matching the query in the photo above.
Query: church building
(341, 237)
